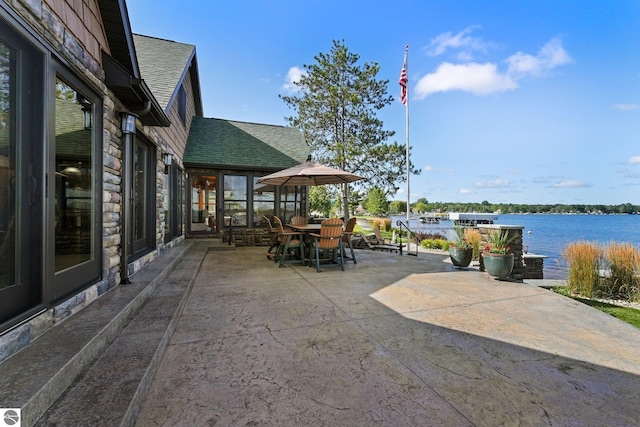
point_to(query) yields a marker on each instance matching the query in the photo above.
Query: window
(144, 197)
(290, 202)
(75, 176)
(173, 201)
(235, 200)
(76, 184)
(264, 197)
(182, 105)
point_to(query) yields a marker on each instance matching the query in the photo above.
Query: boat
(472, 218)
(429, 219)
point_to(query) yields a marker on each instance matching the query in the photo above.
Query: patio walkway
(394, 340)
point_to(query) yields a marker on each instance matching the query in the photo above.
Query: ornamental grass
(584, 260)
(472, 235)
(623, 278)
(382, 224)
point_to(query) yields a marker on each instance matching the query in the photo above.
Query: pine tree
(336, 106)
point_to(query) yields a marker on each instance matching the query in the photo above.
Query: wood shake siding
(176, 135)
(82, 19)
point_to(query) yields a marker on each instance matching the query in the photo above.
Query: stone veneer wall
(247, 237)
(57, 34)
(516, 246)
(533, 266)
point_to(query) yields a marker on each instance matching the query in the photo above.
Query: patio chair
(347, 236)
(379, 239)
(372, 243)
(287, 244)
(273, 238)
(329, 242)
(299, 220)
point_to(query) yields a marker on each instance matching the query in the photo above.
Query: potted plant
(460, 251)
(497, 256)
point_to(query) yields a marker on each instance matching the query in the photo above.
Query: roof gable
(164, 65)
(217, 142)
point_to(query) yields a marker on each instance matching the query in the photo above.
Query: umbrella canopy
(309, 174)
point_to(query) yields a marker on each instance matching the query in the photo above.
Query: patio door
(21, 176)
(75, 220)
(203, 204)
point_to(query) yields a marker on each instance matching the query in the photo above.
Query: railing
(401, 225)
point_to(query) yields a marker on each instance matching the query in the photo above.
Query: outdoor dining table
(308, 229)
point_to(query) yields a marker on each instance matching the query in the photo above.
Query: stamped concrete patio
(393, 340)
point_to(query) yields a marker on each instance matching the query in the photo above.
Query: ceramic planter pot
(498, 265)
(460, 257)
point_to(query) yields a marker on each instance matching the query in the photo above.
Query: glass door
(203, 204)
(21, 177)
(76, 186)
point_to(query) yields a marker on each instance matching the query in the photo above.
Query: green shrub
(441, 244)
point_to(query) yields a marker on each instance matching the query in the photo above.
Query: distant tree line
(422, 205)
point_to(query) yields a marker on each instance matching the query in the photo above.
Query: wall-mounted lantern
(168, 160)
(128, 124)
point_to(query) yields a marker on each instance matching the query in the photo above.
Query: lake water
(549, 234)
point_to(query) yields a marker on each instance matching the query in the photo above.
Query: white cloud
(428, 168)
(465, 191)
(486, 78)
(571, 184)
(439, 44)
(550, 56)
(293, 76)
(626, 107)
(635, 160)
(497, 183)
(479, 79)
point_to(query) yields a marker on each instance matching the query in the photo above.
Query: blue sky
(509, 102)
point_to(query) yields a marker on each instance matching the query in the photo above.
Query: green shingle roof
(163, 65)
(217, 143)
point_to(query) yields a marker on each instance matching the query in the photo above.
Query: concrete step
(95, 367)
(111, 390)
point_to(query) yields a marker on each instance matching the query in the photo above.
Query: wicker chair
(329, 242)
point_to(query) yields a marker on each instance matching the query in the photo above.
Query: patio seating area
(392, 340)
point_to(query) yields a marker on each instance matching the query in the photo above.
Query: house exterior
(224, 159)
(103, 149)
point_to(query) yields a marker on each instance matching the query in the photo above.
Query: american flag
(403, 81)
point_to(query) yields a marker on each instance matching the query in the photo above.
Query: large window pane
(264, 197)
(235, 200)
(8, 202)
(290, 202)
(74, 190)
(144, 196)
(140, 178)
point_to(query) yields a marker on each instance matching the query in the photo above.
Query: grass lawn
(626, 314)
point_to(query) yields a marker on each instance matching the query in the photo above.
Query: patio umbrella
(307, 174)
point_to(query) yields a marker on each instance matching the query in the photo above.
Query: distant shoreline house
(106, 160)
